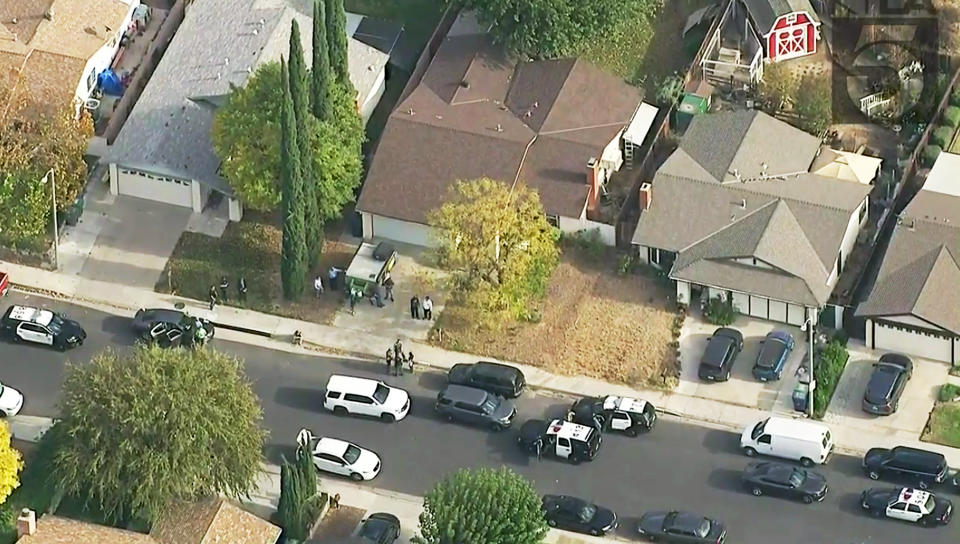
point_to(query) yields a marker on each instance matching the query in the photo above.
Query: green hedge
(955, 98)
(948, 392)
(942, 136)
(832, 360)
(951, 116)
(930, 154)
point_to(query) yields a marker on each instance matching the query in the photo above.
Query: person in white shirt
(318, 285)
(427, 308)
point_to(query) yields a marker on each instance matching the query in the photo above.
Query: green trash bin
(73, 213)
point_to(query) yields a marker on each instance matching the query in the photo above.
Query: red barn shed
(790, 28)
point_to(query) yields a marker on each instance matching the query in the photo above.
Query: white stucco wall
(849, 239)
(608, 234)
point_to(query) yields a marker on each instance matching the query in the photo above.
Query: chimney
(48, 15)
(593, 182)
(743, 203)
(763, 169)
(26, 523)
(646, 194)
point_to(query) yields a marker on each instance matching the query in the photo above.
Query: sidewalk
(126, 300)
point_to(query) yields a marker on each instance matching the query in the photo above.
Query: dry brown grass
(594, 323)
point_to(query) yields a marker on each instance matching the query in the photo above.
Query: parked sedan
(578, 515)
(785, 481)
(379, 528)
(886, 385)
(340, 457)
(146, 318)
(775, 350)
(681, 528)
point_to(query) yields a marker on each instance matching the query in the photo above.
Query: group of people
(416, 306)
(217, 296)
(396, 359)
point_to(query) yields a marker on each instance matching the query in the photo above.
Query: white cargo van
(797, 439)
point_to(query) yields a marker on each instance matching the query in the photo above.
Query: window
(360, 399)
(653, 255)
(352, 454)
(913, 509)
(330, 458)
(839, 263)
(899, 507)
(333, 395)
(91, 80)
(564, 442)
(554, 220)
(381, 393)
(765, 439)
(863, 212)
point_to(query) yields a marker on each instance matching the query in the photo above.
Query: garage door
(153, 187)
(778, 311)
(401, 231)
(759, 307)
(740, 302)
(929, 345)
(795, 315)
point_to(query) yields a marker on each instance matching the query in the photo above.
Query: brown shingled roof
(56, 530)
(477, 114)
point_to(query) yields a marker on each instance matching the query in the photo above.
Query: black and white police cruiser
(558, 438)
(29, 324)
(613, 413)
(907, 504)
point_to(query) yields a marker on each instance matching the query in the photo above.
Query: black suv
(920, 466)
(476, 406)
(496, 378)
(722, 350)
(886, 385)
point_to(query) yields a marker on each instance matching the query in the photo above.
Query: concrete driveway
(742, 388)
(915, 405)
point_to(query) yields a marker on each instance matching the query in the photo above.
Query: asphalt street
(677, 466)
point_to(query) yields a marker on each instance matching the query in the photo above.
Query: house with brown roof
(913, 305)
(209, 521)
(51, 51)
(731, 214)
(554, 125)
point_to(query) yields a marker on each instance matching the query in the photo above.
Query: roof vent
(410, 111)
(226, 61)
(261, 22)
(48, 15)
(528, 114)
(743, 203)
(536, 104)
(763, 169)
(465, 84)
(439, 117)
(255, 31)
(736, 174)
(499, 128)
(733, 218)
(14, 21)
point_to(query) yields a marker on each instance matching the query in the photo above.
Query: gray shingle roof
(920, 274)
(219, 44)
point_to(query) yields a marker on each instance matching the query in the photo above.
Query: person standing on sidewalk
(389, 359)
(415, 307)
(213, 296)
(410, 360)
(427, 308)
(242, 289)
(388, 285)
(224, 285)
(318, 285)
(398, 365)
(398, 350)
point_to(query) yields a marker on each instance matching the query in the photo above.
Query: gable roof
(219, 44)
(477, 113)
(920, 272)
(53, 529)
(765, 12)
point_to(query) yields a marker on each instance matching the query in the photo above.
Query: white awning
(640, 125)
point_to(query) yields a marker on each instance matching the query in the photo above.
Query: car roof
(687, 520)
(916, 452)
(626, 404)
(568, 429)
(782, 336)
(462, 393)
(882, 380)
(496, 369)
(794, 428)
(164, 313)
(912, 496)
(332, 446)
(728, 332)
(31, 314)
(352, 384)
(895, 358)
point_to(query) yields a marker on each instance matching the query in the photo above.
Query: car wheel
(355, 476)
(16, 338)
(449, 418)
(651, 538)
(496, 427)
(873, 475)
(756, 491)
(726, 377)
(808, 499)
(876, 513)
(388, 418)
(339, 410)
(575, 459)
(632, 431)
(60, 347)
(551, 523)
(806, 461)
(596, 532)
(749, 452)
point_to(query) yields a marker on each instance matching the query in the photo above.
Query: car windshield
(881, 383)
(55, 325)
(352, 454)
(373, 529)
(758, 430)
(930, 504)
(381, 393)
(796, 478)
(771, 352)
(586, 513)
(490, 404)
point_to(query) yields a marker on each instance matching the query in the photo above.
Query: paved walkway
(852, 439)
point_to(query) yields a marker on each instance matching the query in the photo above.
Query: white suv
(364, 397)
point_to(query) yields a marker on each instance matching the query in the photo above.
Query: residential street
(676, 466)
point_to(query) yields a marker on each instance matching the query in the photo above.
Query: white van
(364, 397)
(797, 439)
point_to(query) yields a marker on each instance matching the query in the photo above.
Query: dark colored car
(379, 528)
(906, 504)
(41, 326)
(784, 480)
(476, 406)
(578, 515)
(681, 528)
(146, 318)
(775, 349)
(886, 385)
(613, 413)
(722, 350)
(921, 467)
(496, 378)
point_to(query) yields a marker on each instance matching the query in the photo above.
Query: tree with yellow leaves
(11, 462)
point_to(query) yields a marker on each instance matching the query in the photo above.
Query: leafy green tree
(11, 463)
(246, 135)
(777, 87)
(337, 42)
(320, 91)
(300, 502)
(482, 506)
(146, 427)
(300, 93)
(497, 245)
(544, 29)
(293, 258)
(813, 103)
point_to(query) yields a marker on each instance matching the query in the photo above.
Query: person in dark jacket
(415, 307)
(389, 359)
(224, 285)
(213, 296)
(398, 366)
(410, 361)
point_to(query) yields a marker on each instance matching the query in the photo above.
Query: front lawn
(593, 323)
(944, 425)
(250, 248)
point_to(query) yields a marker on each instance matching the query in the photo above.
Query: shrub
(626, 264)
(949, 392)
(951, 116)
(719, 312)
(930, 154)
(590, 242)
(942, 136)
(827, 370)
(955, 98)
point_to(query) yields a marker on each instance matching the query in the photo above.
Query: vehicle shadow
(850, 503)
(300, 398)
(277, 453)
(628, 528)
(846, 464)
(119, 329)
(725, 479)
(504, 445)
(717, 441)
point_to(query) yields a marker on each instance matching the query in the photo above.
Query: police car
(613, 413)
(28, 324)
(558, 438)
(907, 504)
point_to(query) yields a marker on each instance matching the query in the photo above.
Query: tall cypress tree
(321, 64)
(300, 94)
(337, 41)
(293, 259)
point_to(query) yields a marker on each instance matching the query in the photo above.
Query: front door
(35, 333)
(330, 463)
(764, 444)
(620, 421)
(563, 448)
